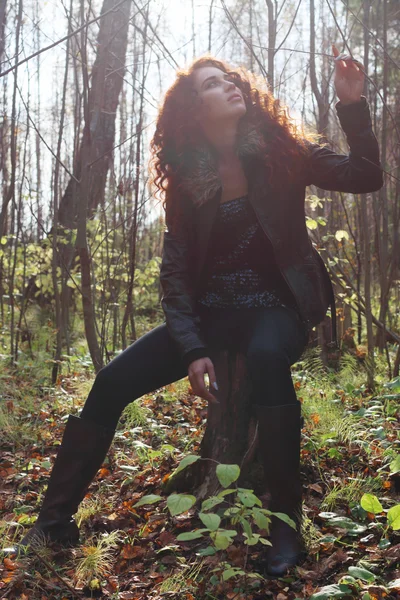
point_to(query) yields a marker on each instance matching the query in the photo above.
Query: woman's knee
(267, 358)
(106, 378)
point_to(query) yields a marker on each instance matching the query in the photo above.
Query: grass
(16, 432)
(349, 491)
(183, 578)
(90, 506)
(96, 557)
(311, 535)
(145, 449)
(135, 415)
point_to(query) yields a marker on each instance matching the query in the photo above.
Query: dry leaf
(103, 473)
(316, 487)
(129, 551)
(330, 563)
(10, 565)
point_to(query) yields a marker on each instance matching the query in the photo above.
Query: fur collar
(202, 180)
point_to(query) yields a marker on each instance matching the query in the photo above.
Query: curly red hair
(177, 130)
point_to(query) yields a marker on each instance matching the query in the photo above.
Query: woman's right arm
(182, 319)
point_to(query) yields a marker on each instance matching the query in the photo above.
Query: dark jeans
(272, 339)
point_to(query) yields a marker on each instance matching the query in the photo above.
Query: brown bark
(99, 132)
(271, 43)
(129, 310)
(322, 118)
(95, 154)
(3, 6)
(10, 192)
(54, 261)
(231, 432)
(381, 199)
(321, 96)
(367, 250)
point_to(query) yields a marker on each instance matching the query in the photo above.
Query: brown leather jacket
(280, 211)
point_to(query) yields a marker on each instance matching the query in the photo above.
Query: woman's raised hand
(349, 77)
(196, 372)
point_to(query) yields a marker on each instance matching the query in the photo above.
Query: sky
(178, 15)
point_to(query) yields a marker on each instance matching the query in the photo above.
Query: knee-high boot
(82, 452)
(279, 434)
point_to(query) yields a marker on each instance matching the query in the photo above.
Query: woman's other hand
(196, 372)
(349, 77)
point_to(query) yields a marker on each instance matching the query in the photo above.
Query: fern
(313, 365)
(350, 491)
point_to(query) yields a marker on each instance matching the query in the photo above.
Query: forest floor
(350, 472)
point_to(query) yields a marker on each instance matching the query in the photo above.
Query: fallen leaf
(10, 565)
(377, 592)
(305, 574)
(129, 551)
(330, 563)
(393, 553)
(316, 487)
(166, 538)
(103, 473)
(113, 516)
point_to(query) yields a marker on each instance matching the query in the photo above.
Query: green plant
(96, 558)
(244, 513)
(371, 504)
(135, 415)
(310, 534)
(89, 507)
(349, 491)
(183, 578)
(16, 431)
(225, 571)
(9, 532)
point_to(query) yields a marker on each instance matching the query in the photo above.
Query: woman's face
(220, 99)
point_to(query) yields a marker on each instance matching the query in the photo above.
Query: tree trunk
(231, 433)
(85, 191)
(271, 44)
(129, 309)
(381, 199)
(367, 250)
(10, 192)
(322, 117)
(54, 260)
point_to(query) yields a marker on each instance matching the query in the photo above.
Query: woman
(236, 260)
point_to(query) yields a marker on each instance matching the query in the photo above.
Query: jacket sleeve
(358, 172)
(183, 322)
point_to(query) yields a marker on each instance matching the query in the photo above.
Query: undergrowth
(348, 443)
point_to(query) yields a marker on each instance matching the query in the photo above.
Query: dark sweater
(240, 270)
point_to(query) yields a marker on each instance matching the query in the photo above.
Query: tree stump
(231, 435)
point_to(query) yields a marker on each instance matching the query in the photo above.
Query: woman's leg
(148, 364)
(151, 362)
(276, 339)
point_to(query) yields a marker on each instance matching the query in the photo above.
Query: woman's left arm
(360, 171)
